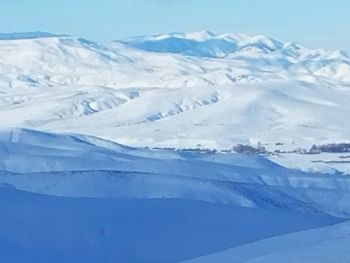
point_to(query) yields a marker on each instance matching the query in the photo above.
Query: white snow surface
(71, 191)
(261, 90)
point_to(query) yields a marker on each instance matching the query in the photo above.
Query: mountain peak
(262, 42)
(203, 43)
(200, 35)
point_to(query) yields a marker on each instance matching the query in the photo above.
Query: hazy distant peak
(27, 35)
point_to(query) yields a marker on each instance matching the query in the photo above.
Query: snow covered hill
(81, 166)
(43, 59)
(194, 90)
(70, 197)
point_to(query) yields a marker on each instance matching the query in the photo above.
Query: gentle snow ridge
(81, 166)
(79, 198)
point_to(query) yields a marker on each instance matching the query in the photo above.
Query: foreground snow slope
(323, 245)
(193, 90)
(82, 166)
(37, 228)
(76, 198)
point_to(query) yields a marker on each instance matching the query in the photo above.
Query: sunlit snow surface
(260, 90)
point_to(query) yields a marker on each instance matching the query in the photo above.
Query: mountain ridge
(266, 91)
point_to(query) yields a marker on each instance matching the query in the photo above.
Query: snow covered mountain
(43, 59)
(27, 35)
(192, 90)
(200, 44)
(70, 192)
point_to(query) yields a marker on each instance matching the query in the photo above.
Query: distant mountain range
(181, 90)
(203, 44)
(27, 35)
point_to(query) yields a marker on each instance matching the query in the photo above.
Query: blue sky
(316, 23)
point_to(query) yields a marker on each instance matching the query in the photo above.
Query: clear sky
(315, 23)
